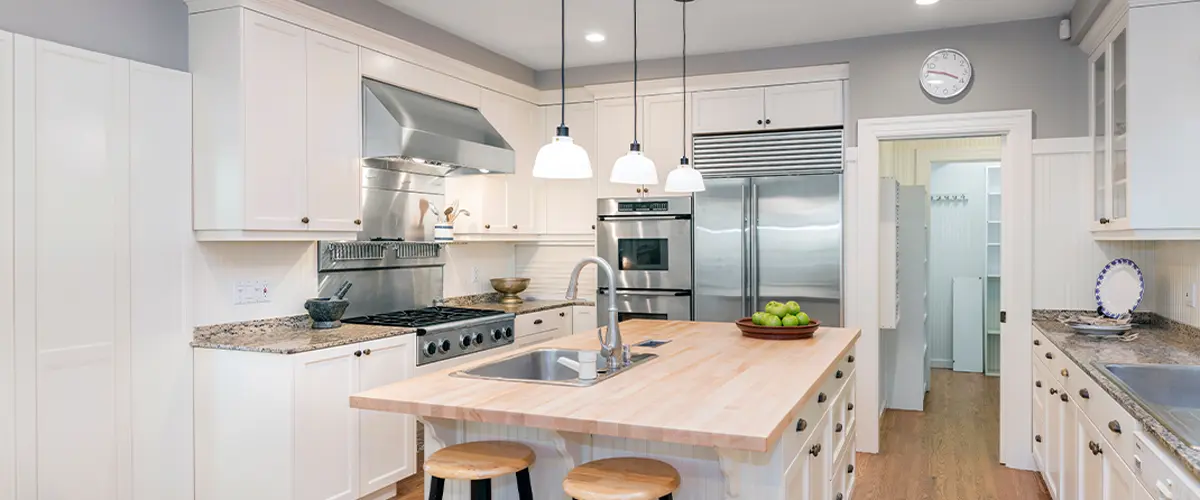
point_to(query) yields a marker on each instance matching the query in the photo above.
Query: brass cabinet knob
(1065, 373)
(358, 354)
(1063, 397)
(487, 226)
(367, 352)
(1038, 384)
(1083, 393)
(1038, 438)
(1037, 342)
(1049, 356)
(357, 222)
(1115, 427)
(821, 398)
(593, 227)
(514, 226)
(801, 425)
(1053, 391)
(562, 314)
(304, 220)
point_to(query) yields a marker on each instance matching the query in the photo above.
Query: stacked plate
(1119, 291)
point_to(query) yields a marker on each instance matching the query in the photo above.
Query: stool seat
(479, 460)
(622, 479)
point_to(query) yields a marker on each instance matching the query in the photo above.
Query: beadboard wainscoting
(1066, 257)
(1176, 269)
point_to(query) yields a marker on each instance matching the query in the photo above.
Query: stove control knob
(464, 341)
(430, 349)
(478, 338)
(497, 334)
(444, 345)
(508, 333)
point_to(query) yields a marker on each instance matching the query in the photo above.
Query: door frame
(862, 279)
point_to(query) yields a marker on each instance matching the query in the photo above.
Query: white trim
(318, 20)
(1133, 4)
(578, 95)
(248, 235)
(1145, 234)
(1062, 146)
(557, 239)
(925, 158)
(726, 81)
(862, 291)
(1109, 18)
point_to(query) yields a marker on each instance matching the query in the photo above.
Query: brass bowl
(510, 287)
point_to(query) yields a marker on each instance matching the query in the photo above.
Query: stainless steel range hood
(413, 132)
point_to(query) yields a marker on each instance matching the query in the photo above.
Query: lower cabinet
(271, 426)
(538, 327)
(821, 454)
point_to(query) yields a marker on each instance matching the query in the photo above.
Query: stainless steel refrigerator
(769, 225)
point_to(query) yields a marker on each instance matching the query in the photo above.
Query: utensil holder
(443, 232)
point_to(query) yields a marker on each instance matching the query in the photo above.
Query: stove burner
(419, 318)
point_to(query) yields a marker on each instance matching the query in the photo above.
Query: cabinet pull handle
(837, 428)
(487, 226)
(1104, 220)
(1037, 342)
(768, 123)
(1115, 427)
(1095, 447)
(850, 469)
(537, 321)
(514, 226)
(839, 374)
(1064, 372)
(304, 220)
(1038, 384)
(357, 222)
(358, 354)
(1049, 356)
(593, 227)
(849, 406)
(1083, 393)
(1063, 397)
(562, 314)
(815, 450)
(367, 352)
(850, 359)
(821, 397)
(1038, 438)
(760, 122)
(1053, 391)
(801, 425)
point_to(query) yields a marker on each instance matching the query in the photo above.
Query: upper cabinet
(276, 130)
(1143, 126)
(665, 136)
(615, 121)
(804, 105)
(568, 206)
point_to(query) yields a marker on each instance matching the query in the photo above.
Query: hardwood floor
(949, 451)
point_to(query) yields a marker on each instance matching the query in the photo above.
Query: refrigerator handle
(752, 247)
(747, 309)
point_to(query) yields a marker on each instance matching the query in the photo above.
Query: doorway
(863, 305)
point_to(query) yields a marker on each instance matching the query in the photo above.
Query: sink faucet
(611, 347)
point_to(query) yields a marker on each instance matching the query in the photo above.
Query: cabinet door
(1099, 131)
(666, 135)
(275, 75)
(7, 272)
(387, 441)
(804, 105)
(1089, 464)
(794, 479)
(1068, 462)
(72, 186)
(569, 206)
(727, 110)
(1118, 479)
(326, 440)
(1118, 112)
(1054, 439)
(334, 96)
(614, 132)
(1040, 421)
(507, 206)
(819, 454)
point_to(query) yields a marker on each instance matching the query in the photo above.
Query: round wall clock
(946, 74)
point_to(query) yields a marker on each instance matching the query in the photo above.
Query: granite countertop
(491, 302)
(287, 335)
(1158, 341)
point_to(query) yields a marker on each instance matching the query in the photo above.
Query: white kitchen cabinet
(802, 105)
(614, 132)
(318, 447)
(569, 206)
(96, 149)
(666, 135)
(276, 131)
(818, 457)
(1089, 464)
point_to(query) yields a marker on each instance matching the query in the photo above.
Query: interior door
(720, 246)
(796, 240)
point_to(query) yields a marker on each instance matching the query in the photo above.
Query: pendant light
(684, 179)
(634, 167)
(562, 158)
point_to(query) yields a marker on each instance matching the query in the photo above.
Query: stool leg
(667, 497)
(436, 486)
(524, 487)
(481, 489)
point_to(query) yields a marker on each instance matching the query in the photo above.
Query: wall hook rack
(948, 197)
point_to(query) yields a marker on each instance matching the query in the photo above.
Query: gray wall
(1083, 16)
(150, 31)
(1018, 65)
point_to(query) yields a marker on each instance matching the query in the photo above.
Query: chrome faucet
(611, 347)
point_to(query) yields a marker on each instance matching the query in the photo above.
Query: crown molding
(701, 83)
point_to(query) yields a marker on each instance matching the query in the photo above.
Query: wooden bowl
(749, 329)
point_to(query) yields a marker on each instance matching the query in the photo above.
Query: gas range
(448, 332)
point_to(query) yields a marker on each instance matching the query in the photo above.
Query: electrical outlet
(251, 292)
(1189, 295)
(474, 275)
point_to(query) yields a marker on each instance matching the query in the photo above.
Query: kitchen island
(738, 417)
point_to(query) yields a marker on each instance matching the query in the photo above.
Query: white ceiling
(528, 30)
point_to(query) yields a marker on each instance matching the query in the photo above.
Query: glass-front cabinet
(1110, 204)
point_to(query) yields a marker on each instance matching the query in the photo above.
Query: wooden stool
(622, 479)
(479, 462)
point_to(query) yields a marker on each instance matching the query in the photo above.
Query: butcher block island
(739, 418)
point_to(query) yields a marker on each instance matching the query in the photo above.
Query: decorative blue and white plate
(1119, 288)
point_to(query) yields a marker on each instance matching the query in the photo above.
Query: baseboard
(947, 364)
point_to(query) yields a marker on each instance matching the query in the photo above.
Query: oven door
(647, 252)
(648, 304)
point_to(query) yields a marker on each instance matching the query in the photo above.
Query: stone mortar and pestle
(326, 312)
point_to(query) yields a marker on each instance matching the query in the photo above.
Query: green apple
(773, 320)
(804, 319)
(777, 309)
(758, 318)
(793, 307)
(790, 320)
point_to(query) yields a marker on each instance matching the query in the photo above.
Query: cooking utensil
(341, 291)
(510, 287)
(460, 212)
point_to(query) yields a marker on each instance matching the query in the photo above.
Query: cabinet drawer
(800, 432)
(1157, 470)
(839, 480)
(554, 319)
(1044, 351)
(1116, 426)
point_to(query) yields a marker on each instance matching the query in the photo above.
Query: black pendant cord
(562, 68)
(635, 77)
(683, 159)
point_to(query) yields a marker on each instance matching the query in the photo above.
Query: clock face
(946, 74)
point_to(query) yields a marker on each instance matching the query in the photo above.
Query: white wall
(550, 266)
(1066, 258)
(290, 269)
(484, 261)
(957, 246)
(1176, 268)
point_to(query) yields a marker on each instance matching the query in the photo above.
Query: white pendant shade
(684, 179)
(562, 159)
(634, 168)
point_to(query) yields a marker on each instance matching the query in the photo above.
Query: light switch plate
(251, 292)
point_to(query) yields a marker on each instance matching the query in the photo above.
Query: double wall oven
(648, 241)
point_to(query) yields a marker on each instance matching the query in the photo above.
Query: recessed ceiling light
(599, 37)
(926, 2)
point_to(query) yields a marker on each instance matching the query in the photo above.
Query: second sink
(1171, 393)
(541, 366)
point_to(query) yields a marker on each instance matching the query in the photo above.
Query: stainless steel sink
(1171, 393)
(541, 366)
